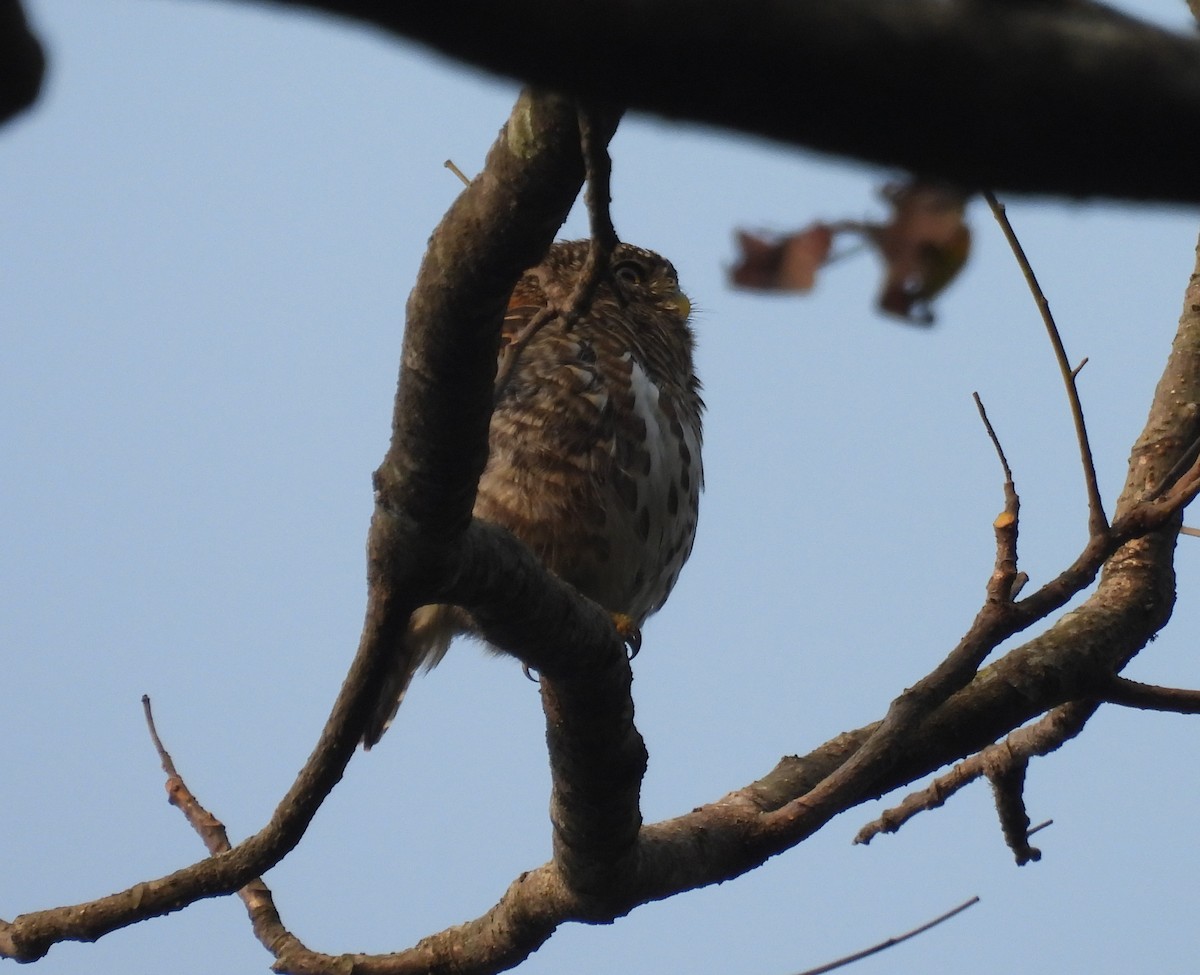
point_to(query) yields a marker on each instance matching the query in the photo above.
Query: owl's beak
(678, 303)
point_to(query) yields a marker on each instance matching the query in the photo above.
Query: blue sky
(209, 227)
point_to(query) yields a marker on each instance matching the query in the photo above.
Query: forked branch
(1097, 520)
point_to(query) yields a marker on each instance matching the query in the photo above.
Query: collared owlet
(593, 449)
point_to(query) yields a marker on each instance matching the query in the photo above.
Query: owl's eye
(629, 272)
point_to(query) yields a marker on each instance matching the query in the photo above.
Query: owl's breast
(651, 499)
(598, 470)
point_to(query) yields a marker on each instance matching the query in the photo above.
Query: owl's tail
(430, 630)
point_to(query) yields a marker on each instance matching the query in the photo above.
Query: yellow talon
(629, 633)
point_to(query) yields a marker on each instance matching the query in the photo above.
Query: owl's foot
(629, 633)
(626, 629)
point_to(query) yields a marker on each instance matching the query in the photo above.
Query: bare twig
(450, 165)
(1008, 477)
(512, 352)
(598, 196)
(1149, 697)
(1097, 520)
(597, 175)
(891, 942)
(1040, 738)
(260, 904)
(997, 619)
(1005, 583)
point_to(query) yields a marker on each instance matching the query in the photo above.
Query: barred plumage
(594, 447)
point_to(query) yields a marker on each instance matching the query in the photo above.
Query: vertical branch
(1005, 581)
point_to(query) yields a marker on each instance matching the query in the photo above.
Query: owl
(593, 449)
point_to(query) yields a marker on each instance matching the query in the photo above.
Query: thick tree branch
(1062, 98)
(22, 61)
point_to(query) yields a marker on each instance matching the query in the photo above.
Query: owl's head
(638, 276)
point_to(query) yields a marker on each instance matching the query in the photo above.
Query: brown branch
(1065, 98)
(260, 904)
(597, 757)
(1176, 473)
(1040, 738)
(1149, 697)
(597, 761)
(1008, 791)
(991, 432)
(1006, 581)
(996, 620)
(597, 171)
(1097, 520)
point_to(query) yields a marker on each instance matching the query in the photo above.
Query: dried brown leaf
(788, 263)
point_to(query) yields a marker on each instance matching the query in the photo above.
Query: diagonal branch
(1066, 98)
(1149, 697)
(1044, 736)
(892, 942)
(260, 904)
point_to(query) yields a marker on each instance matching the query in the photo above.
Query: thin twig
(1097, 520)
(1149, 697)
(449, 164)
(512, 351)
(597, 172)
(890, 942)
(1040, 738)
(1006, 581)
(598, 195)
(991, 432)
(260, 905)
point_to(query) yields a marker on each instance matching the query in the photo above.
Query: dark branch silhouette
(22, 61)
(1065, 98)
